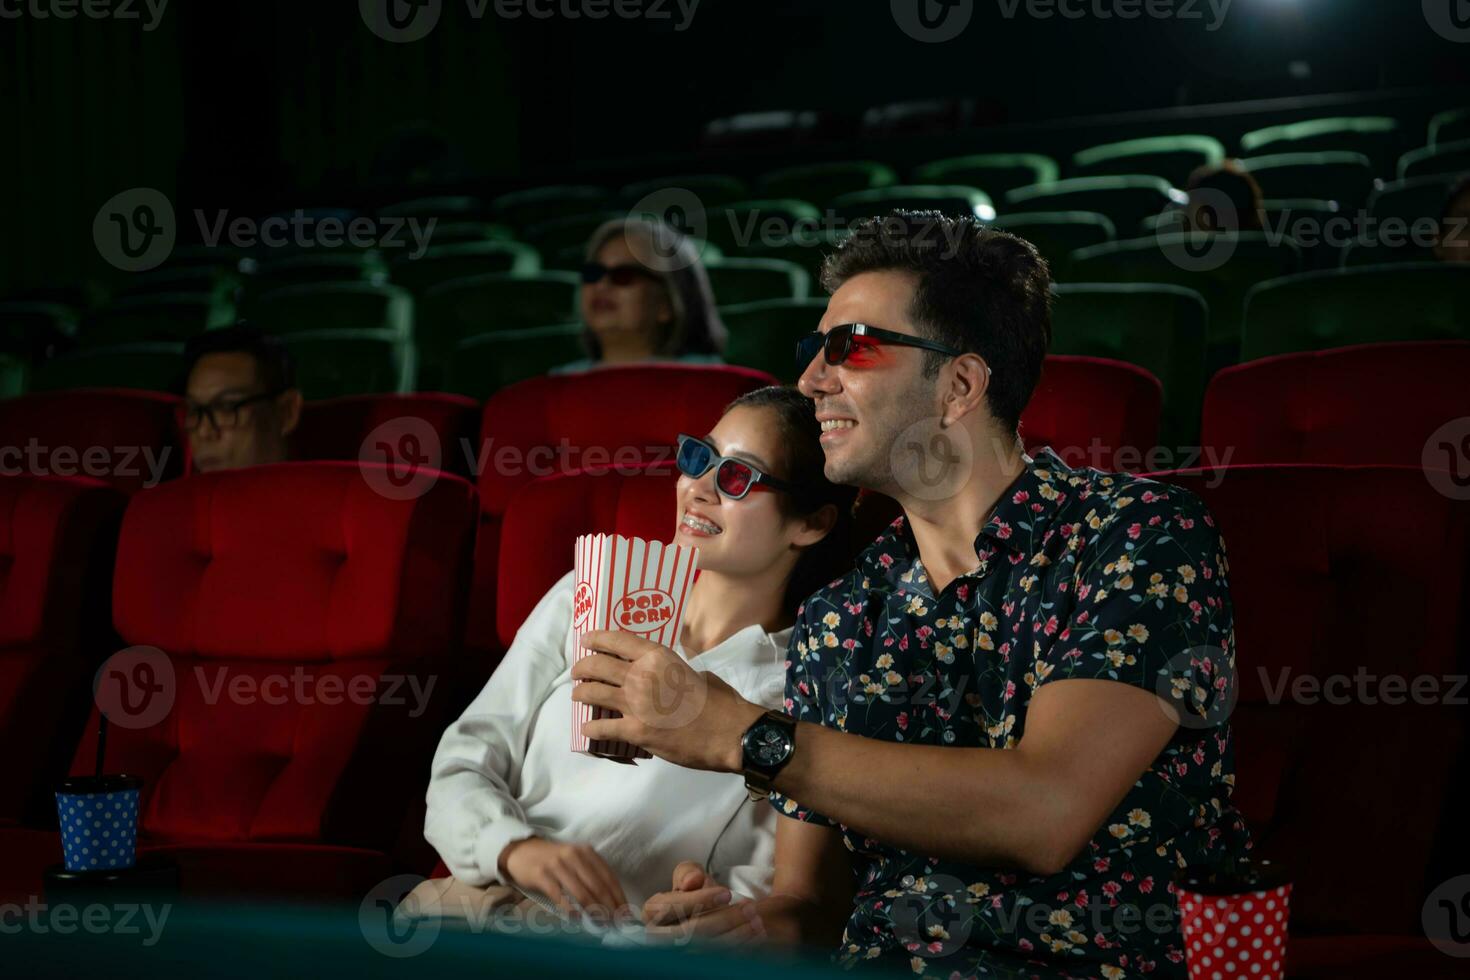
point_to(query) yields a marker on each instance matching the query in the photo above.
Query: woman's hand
(699, 907)
(688, 717)
(574, 876)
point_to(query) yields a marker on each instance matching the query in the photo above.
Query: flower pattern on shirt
(1081, 575)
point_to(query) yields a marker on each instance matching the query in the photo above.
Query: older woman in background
(646, 297)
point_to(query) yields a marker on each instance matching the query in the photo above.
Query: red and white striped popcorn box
(626, 584)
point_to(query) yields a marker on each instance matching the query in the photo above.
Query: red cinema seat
(57, 537)
(611, 418)
(1369, 958)
(1095, 412)
(1349, 587)
(431, 429)
(129, 439)
(308, 626)
(1377, 403)
(544, 518)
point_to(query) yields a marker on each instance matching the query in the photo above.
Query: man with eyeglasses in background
(240, 398)
(1003, 731)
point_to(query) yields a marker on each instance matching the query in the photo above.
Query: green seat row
(329, 363)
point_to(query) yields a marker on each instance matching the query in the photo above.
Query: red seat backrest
(1336, 574)
(57, 536)
(129, 439)
(616, 417)
(1094, 412)
(296, 607)
(1374, 404)
(545, 517)
(432, 429)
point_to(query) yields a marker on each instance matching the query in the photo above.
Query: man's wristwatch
(765, 748)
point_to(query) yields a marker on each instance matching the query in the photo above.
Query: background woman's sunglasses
(838, 343)
(618, 275)
(734, 478)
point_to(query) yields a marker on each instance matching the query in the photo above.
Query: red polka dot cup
(1235, 922)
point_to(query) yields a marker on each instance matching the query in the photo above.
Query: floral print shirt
(1081, 575)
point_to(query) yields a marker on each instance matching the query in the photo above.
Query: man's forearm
(980, 806)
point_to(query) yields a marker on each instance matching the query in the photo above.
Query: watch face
(769, 745)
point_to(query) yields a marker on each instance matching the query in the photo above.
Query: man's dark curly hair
(978, 290)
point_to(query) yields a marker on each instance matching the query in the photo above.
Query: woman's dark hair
(696, 327)
(1227, 181)
(804, 466)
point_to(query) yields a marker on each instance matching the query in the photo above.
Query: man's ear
(816, 526)
(969, 380)
(288, 409)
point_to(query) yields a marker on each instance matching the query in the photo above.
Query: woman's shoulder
(758, 668)
(552, 615)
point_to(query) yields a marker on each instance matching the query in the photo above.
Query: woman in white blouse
(514, 812)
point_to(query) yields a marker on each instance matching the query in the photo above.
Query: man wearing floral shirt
(1010, 717)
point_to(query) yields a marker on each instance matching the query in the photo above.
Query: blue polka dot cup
(98, 817)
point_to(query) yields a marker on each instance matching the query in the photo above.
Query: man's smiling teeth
(699, 525)
(831, 424)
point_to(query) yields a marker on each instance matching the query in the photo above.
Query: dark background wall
(256, 104)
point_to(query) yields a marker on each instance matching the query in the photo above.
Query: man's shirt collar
(1028, 506)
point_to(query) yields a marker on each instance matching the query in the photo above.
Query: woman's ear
(815, 526)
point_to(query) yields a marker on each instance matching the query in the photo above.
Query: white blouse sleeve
(472, 809)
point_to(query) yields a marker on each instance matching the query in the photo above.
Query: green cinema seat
(1057, 234)
(954, 200)
(1410, 200)
(1449, 126)
(1161, 328)
(1305, 221)
(536, 205)
(163, 317)
(1451, 159)
(443, 208)
(481, 365)
(333, 363)
(1221, 268)
(491, 303)
(1173, 158)
(562, 242)
(993, 173)
(1125, 201)
(821, 183)
(746, 226)
(1411, 208)
(1376, 137)
(442, 263)
(743, 280)
(12, 376)
(335, 306)
(712, 190)
(809, 251)
(33, 330)
(214, 281)
(764, 335)
(310, 270)
(1341, 176)
(1341, 307)
(464, 232)
(149, 366)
